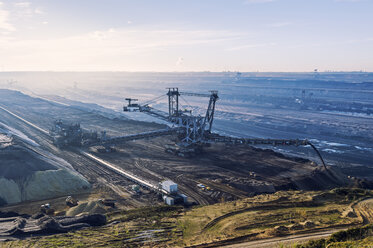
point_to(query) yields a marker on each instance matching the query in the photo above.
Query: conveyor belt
(131, 177)
(143, 135)
(275, 142)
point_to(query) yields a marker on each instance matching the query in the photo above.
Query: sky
(186, 35)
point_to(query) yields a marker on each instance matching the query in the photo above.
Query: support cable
(188, 104)
(152, 100)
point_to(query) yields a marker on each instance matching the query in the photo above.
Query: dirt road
(364, 209)
(289, 240)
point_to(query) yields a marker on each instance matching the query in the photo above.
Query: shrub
(319, 243)
(352, 234)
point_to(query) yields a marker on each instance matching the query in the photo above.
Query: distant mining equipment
(105, 149)
(184, 151)
(131, 107)
(71, 201)
(72, 135)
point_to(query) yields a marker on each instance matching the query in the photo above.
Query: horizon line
(206, 71)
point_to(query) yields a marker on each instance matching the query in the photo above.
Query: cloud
(38, 11)
(144, 39)
(111, 48)
(257, 1)
(248, 46)
(180, 61)
(5, 25)
(25, 10)
(279, 24)
(335, 43)
(22, 4)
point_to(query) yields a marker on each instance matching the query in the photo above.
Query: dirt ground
(229, 172)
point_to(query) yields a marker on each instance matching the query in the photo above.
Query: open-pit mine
(65, 167)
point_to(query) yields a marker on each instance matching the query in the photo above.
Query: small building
(184, 197)
(169, 200)
(180, 199)
(169, 186)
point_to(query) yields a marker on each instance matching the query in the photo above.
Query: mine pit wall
(35, 177)
(319, 179)
(255, 189)
(29, 173)
(41, 185)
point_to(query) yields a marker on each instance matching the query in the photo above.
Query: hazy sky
(186, 35)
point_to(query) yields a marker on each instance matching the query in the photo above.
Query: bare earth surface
(231, 172)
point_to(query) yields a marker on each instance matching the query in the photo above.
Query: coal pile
(27, 172)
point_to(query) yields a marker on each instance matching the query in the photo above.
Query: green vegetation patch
(262, 216)
(142, 227)
(354, 237)
(269, 215)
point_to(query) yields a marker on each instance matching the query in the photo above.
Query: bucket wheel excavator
(195, 131)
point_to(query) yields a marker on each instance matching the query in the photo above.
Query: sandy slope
(29, 173)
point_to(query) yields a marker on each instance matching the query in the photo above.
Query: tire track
(364, 209)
